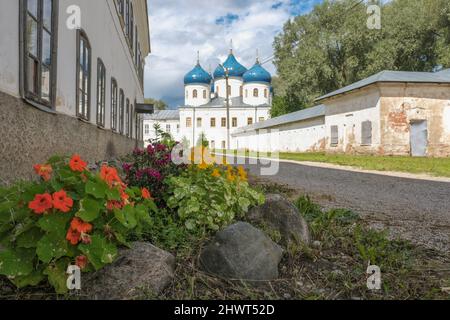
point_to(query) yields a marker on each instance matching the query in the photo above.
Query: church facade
(207, 115)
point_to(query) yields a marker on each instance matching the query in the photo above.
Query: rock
(280, 214)
(242, 252)
(143, 268)
(317, 244)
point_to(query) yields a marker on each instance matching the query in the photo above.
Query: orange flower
(81, 261)
(113, 204)
(62, 202)
(43, 170)
(146, 194)
(80, 226)
(76, 164)
(73, 236)
(41, 203)
(110, 176)
(85, 238)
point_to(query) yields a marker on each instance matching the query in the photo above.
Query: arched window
(127, 119)
(39, 44)
(204, 94)
(121, 110)
(84, 76)
(256, 92)
(113, 104)
(194, 94)
(265, 93)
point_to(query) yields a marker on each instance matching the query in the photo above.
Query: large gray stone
(143, 268)
(280, 214)
(242, 252)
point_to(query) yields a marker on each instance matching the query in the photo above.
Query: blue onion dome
(257, 74)
(235, 69)
(197, 75)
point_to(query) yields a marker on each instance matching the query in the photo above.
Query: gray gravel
(417, 210)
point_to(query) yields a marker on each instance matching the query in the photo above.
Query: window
(131, 120)
(127, 16)
(84, 76)
(224, 145)
(39, 48)
(101, 91)
(120, 5)
(127, 119)
(265, 93)
(255, 93)
(121, 110)
(261, 119)
(223, 122)
(199, 122)
(213, 122)
(168, 128)
(136, 47)
(234, 122)
(113, 104)
(147, 129)
(213, 144)
(204, 94)
(334, 136)
(178, 128)
(194, 94)
(131, 28)
(188, 122)
(366, 133)
(249, 121)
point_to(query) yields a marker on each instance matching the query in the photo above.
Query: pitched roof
(305, 114)
(394, 76)
(163, 115)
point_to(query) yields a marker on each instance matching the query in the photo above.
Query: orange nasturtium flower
(43, 170)
(81, 261)
(62, 202)
(110, 176)
(146, 194)
(76, 164)
(41, 203)
(78, 229)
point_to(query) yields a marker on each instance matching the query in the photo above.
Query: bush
(71, 216)
(208, 197)
(150, 167)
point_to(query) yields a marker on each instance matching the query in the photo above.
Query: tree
(331, 47)
(159, 104)
(202, 140)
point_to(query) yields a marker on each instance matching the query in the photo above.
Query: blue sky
(180, 28)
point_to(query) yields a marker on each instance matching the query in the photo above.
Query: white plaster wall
(348, 112)
(301, 136)
(102, 25)
(9, 47)
(218, 134)
(446, 118)
(235, 83)
(261, 99)
(189, 99)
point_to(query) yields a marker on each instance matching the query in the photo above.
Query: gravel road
(417, 210)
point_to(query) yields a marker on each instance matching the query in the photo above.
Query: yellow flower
(230, 177)
(216, 173)
(203, 166)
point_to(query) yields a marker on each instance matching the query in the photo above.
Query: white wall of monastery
(169, 126)
(234, 83)
(263, 96)
(203, 94)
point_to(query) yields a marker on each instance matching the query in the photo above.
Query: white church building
(206, 111)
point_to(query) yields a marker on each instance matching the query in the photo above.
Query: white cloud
(179, 28)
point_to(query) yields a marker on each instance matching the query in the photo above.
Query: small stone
(317, 244)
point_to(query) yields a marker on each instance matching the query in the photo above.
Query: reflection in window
(84, 76)
(101, 93)
(114, 104)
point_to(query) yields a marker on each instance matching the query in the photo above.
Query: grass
(439, 167)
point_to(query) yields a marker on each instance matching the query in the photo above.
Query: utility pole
(227, 75)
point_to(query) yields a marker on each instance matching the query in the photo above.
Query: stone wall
(29, 136)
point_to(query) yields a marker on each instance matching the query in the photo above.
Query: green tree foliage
(332, 47)
(159, 104)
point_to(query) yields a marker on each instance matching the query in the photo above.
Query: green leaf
(16, 263)
(99, 252)
(96, 189)
(30, 238)
(32, 279)
(55, 223)
(52, 246)
(142, 214)
(89, 209)
(126, 216)
(113, 194)
(57, 276)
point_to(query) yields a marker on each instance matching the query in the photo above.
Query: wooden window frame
(249, 121)
(126, 118)
(194, 94)
(213, 122)
(223, 122)
(199, 122)
(234, 122)
(114, 104)
(101, 93)
(255, 93)
(36, 98)
(188, 122)
(85, 115)
(121, 111)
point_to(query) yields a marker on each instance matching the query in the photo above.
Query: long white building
(71, 76)
(204, 113)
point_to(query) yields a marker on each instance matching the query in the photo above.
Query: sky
(180, 28)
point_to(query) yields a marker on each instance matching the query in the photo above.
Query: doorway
(419, 138)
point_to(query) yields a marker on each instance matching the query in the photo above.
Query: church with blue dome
(218, 103)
